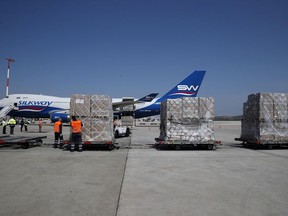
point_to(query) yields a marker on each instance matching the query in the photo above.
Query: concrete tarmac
(138, 180)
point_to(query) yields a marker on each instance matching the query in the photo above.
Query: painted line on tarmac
(122, 180)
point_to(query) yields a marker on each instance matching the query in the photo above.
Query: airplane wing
(131, 101)
(59, 111)
(64, 113)
(147, 98)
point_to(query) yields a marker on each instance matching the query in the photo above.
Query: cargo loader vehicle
(119, 129)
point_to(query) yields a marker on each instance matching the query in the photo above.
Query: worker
(40, 123)
(3, 124)
(76, 128)
(22, 124)
(12, 124)
(26, 124)
(57, 133)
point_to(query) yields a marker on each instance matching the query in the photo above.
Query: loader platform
(269, 144)
(24, 141)
(185, 144)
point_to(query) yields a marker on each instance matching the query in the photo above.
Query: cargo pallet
(23, 141)
(181, 144)
(110, 145)
(270, 144)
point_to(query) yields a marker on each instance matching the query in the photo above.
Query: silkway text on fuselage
(35, 103)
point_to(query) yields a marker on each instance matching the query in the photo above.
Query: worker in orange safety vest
(76, 129)
(58, 141)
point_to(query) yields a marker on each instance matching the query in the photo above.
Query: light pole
(9, 60)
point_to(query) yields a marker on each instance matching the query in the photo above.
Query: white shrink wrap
(265, 118)
(96, 114)
(188, 119)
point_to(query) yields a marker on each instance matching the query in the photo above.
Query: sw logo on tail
(188, 87)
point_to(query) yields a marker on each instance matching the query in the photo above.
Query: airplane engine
(64, 117)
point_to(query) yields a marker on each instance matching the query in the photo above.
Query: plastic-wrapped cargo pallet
(127, 118)
(127, 121)
(265, 118)
(96, 113)
(188, 119)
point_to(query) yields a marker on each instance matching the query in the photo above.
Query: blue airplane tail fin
(188, 87)
(148, 98)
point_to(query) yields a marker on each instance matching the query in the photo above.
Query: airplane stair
(5, 110)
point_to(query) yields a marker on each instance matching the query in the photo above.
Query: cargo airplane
(43, 106)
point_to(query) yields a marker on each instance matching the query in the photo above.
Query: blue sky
(135, 47)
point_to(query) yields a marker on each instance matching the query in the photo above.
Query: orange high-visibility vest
(76, 126)
(57, 126)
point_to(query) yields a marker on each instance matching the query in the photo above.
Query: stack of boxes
(96, 114)
(127, 118)
(188, 119)
(127, 121)
(265, 118)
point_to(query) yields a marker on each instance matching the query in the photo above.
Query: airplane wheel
(25, 146)
(210, 147)
(111, 146)
(269, 146)
(178, 147)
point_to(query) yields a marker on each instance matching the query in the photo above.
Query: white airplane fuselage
(43, 106)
